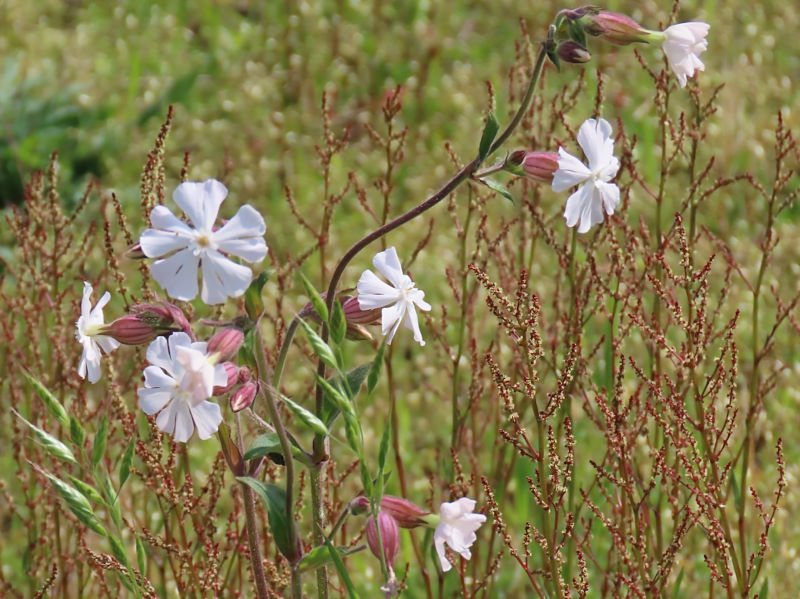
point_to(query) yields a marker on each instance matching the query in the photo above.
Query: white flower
(178, 384)
(595, 193)
(457, 526)
(397, 300)
(186, 248)
(89, 326)
(683, 45)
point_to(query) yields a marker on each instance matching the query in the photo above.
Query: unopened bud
(164, 318)
(130, 330)
(404, 512)
(243, 397)
(226, 343)
(614, 27)
(390, 537)
(540, 166)
(573, 52)
(232, 372)
(359, 505)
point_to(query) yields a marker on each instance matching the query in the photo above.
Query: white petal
(184, 425)
(156, 242)
(223, 278)
(163, 219)
(416, 296)
(177, 274)
(86, 300)
(374, 293)
(158, 354)
(575, 204)
(609, 171)
(571, 171)
(107, 344)
(411, 321)
(153, 400)
(592, 209)
(243, 235)
(438, 543)
(609, 194)
(391, 318)
(594, 137)
(165, 421)
(200, 200)
(388, 264)
(207, 418)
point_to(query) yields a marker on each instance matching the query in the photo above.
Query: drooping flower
(397, 300)
(90, 334)
(596, 193)
(683, 44)
(456, 528)
(178, 384)
(389, 540)
(182, 249)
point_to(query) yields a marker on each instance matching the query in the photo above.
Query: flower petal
(609, 194)
(200, 200)
(374, 293)
(243, 235)
(575, 204)
(388, 264)
(571, 171)
(438, 543)
(177, 274)
(411, 321)
(184, 425)
(391, 318)
(207, 418)
(223, 278)
(594, 138)
(156, 242)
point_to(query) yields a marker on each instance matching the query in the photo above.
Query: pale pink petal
(207, 418)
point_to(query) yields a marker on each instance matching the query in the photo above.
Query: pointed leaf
(497, 187)
(306, 417)
(125, 464)
(52, 445)
(230, 450)
(77, 503)
(322, 349)
(489, 133)
(355, 378)
(375, 369)
(100, 440)
(338, 326)
(87, 490)
(279, 521)
(141, 557)
(55, 407)
(384, 446)
(315, 298)
(76, 433)
(341, 570)
(253, 304)
(319, 556)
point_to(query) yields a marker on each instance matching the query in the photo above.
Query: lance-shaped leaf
(87, 490)
(320, 556)
(76, 433)
(315, 298)
(338, 324)
(375, 369)
(322, 349)
(100, 440)
(489, 133)
(52, 445)
(279, 521)
(498, 187)
(355, 378)
(55, 407)
(253, 304)
(125, 464)
(77, 503)
(306, 417)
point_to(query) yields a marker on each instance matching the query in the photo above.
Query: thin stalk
(262, 591)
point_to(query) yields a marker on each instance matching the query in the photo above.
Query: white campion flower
(683, 44)
(396, 300)
(89, 327)
(456, 527)
(181, 249)
(178, 384)
(596, 193)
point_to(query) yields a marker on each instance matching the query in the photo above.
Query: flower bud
(390, 538)
(130, 330)
(243, 397)
(540, 166)
(614, 27)
(359, 505)
(573, 52)
(404, 512)
(355, 315)
(164, 317)
(226, 343)
(232, 370)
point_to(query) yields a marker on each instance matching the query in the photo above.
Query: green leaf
(55, 407)
(676, 590)
(76, 433)
(489, 133)
(263, 445)
(125, 464)
(253, 304)
(343, 575)
(384, 446)
(306, 417)
(338, 326)
(322, 349)
(52, 445)
(737, 492)
(375, 369)
(118, 550)
(355, 378)
(762, 594)
(279, 522)
(319, 556)
(77, 503)
(576, 33)
(315, 298)
(497, 187)
(141, 556)
(100, 440)
(87, 490)
(355, 438)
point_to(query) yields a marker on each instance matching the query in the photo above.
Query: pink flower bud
(614, 27)
(573, 52)
(226, 343)
(405, 513)
(390, 538)
(359, 505)
(232, 370)
(540, 166)
(163, 317)
(243, 397)
(355, 315)
(130, 330)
